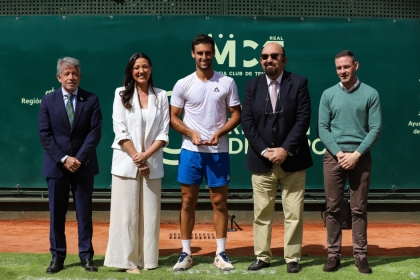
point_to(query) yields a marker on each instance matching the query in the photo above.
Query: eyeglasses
(275, 112)
(273, 55)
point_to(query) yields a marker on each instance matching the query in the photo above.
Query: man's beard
(270, 72)
(209, 66)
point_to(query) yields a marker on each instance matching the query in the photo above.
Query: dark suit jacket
(80, 141)
(286, 129)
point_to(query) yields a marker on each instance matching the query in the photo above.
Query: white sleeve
(177, 97)
(233, 97)
(119, 119)
(164, 119)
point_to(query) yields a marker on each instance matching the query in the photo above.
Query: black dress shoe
(55, 266)
(258, 264)
(293, 267)
(89, 265)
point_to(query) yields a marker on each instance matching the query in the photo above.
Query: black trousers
(58, 191)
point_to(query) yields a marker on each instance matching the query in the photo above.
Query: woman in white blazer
(141, 124)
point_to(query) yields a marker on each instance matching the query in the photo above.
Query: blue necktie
(69, 108)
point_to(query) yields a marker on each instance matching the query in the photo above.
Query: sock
(186, 246)
(221, 244)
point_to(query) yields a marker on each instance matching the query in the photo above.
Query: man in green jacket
(349, 125)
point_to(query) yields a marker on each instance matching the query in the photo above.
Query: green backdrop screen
(388, 53)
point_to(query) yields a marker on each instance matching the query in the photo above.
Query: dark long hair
(130, 84)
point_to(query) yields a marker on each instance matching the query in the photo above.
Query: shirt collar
(278, 79)
(65, 92)
(352, 88)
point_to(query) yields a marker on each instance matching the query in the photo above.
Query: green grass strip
(33, 266)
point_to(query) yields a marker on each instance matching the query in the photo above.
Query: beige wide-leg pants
(292, 185)
(134, 223)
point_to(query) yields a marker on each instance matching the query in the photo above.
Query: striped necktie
(69, 108)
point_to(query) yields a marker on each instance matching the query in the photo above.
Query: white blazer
(127, 125)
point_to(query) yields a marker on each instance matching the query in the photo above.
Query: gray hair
(65, 62)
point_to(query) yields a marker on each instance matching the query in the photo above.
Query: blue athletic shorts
(193, 166)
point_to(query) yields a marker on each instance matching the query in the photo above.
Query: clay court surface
(384, 239)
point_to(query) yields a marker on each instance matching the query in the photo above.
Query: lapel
(262, 92)
(61, 107)
(285, 84)
(137, 115)
(151, 112)
(80, 102)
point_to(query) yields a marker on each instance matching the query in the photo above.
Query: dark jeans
(334, 181)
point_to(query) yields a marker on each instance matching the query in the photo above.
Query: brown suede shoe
(362, 265)
(333, 264)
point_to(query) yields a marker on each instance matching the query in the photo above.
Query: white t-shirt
(205, 106)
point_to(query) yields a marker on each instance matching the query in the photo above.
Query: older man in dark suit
(276, 115)
(70, 122)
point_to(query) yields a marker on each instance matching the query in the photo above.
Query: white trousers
(134, 223)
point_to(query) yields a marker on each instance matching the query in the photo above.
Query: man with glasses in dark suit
(276, 114)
